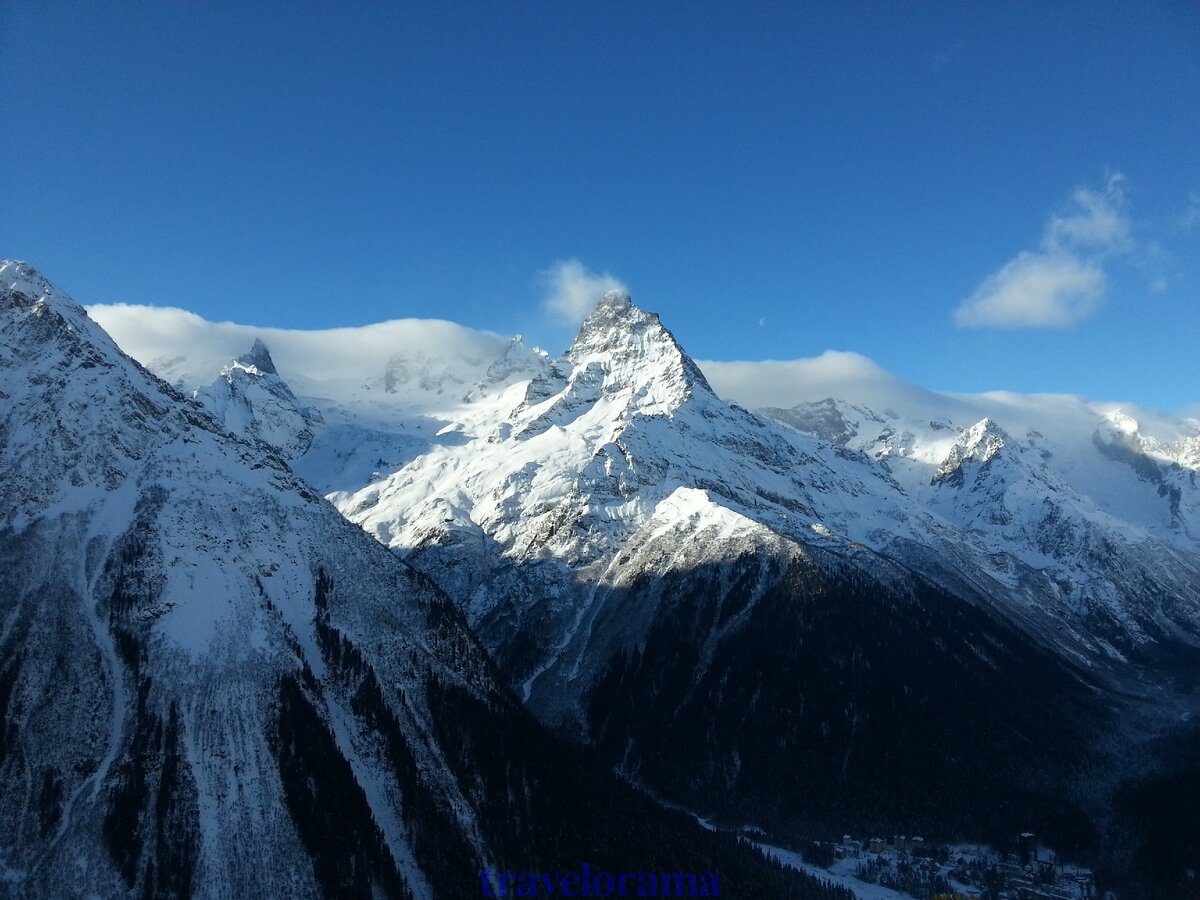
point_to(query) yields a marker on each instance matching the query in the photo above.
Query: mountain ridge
(622, 539)
(211, 684)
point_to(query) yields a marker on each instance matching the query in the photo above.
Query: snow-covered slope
(1072, 441)
(617, 444)
(161, 603)
(213, 685)
(1089, 517)
(341, 444)
(623, 438)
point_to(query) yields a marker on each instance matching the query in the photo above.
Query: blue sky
(999, 196)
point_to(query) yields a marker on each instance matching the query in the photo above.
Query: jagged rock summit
(979, 444)
(634, 344)
(622, 356)
(252, 400)
(258, 358)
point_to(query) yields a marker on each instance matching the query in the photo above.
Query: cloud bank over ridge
(347, 365)
(189, 351)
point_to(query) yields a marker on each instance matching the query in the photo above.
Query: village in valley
(911, 866)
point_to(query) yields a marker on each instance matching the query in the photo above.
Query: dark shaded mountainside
(886, 708)
(843, 704)
(212, 685)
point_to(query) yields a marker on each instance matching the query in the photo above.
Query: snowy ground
(842, 874)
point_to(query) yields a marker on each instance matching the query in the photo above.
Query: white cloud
(1035, 290)
(1096, 221)
(570, 289)
(859, 380)
(1063, 282)
(338, 363)
(784, 383)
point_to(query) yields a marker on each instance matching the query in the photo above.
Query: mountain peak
(624, 354)
(16, 270)
(516, 360)
(613, 310)
(617, 299)
(251, 399)
(980, 444)
(22, 278)
(259, 357)
(49, 311)
(624, 337)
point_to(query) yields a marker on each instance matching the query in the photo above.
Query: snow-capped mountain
(620, 440)
(624, 432)
(340, 443)
(213, 685)
(1074, 442)
(252, 400)
(828, 613)
(618, 533)
(1094, 524)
